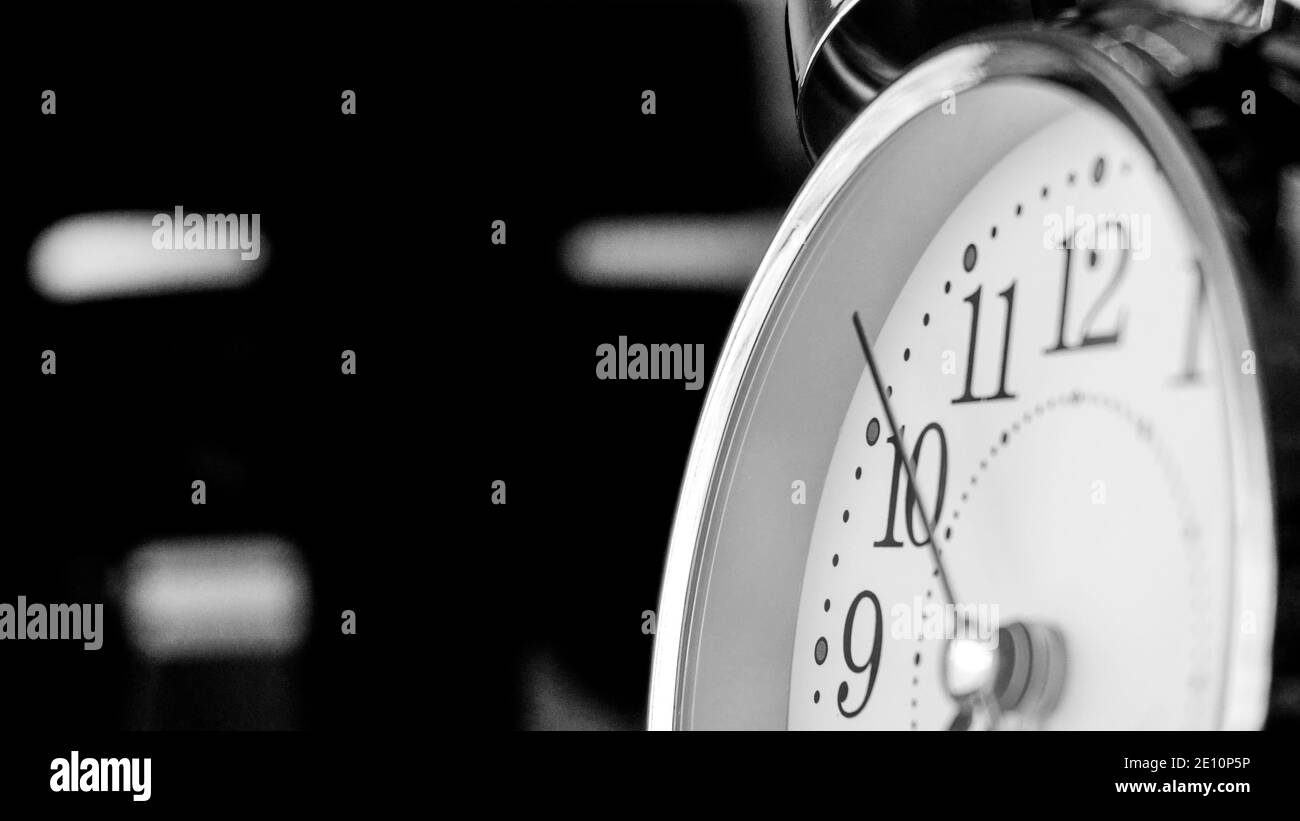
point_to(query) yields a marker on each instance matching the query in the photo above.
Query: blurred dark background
(476, 362)
(582, 177)
(240, 388)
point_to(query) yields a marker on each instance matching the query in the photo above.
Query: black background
(592, 466)
(475, 361)
(241, 388)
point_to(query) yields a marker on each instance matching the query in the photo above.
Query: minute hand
(930, 524)
(982, 695)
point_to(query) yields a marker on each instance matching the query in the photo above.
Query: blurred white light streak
(111, 254)
(719, 252)
(214, 597)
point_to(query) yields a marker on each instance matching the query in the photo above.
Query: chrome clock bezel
(1071, 61)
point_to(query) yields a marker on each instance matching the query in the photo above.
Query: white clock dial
(1025, 247)
(1063, 407)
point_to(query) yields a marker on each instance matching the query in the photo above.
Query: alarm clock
(1001, 435)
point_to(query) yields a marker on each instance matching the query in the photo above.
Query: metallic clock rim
(1071, 61)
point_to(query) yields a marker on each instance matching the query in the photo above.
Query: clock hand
(970, 665)
(933, 537)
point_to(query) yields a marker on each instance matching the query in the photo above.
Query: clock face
(1049, 363)
(1060, 341)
